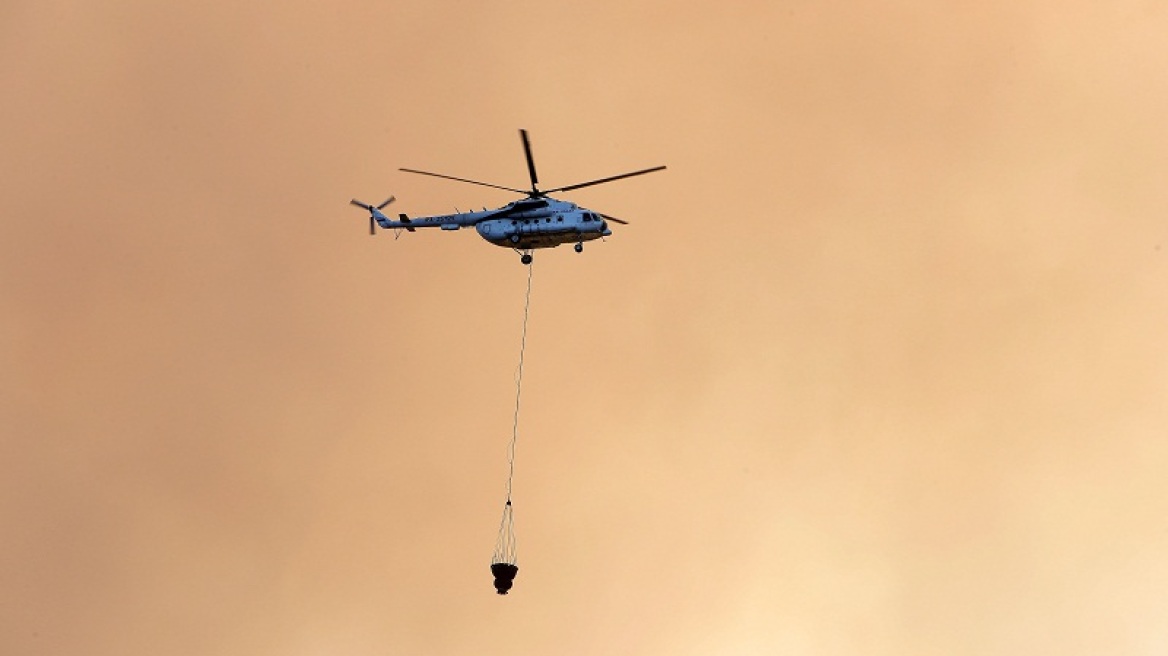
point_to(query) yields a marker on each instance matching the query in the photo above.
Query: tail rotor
(375, 214)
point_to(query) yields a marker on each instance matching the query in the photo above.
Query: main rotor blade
(613, 218)
(451, 177)
(530, 159)
(603, 180)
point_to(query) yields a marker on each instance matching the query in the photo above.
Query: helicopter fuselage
(523, 225)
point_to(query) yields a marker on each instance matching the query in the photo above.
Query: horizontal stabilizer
(405, 219)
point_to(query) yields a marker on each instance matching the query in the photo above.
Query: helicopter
(537, 221)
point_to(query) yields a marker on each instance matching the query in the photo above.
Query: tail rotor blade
(374, 212)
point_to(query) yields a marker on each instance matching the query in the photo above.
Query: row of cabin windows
(588, 216)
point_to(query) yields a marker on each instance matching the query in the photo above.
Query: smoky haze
(878, 366)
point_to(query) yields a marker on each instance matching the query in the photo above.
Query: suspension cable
(518, 388)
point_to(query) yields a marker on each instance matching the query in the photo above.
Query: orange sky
(878, 368)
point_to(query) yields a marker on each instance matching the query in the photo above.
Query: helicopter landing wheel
(526, 258)
(579, 247)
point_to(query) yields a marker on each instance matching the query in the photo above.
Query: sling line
(518, 387)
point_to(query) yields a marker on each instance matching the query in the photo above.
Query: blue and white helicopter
(524, 225)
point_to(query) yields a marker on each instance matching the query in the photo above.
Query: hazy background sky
(878, 368)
